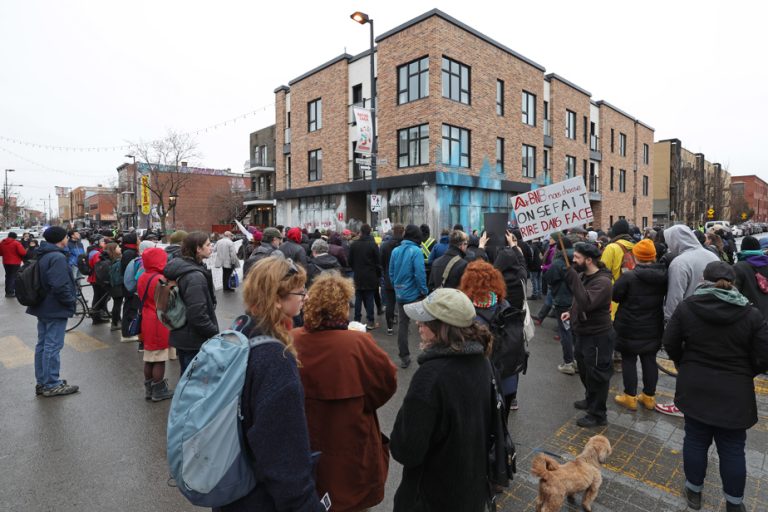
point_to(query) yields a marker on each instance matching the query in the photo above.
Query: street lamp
(131, 156)
(6, 206)
(362, 19)
(172, 198)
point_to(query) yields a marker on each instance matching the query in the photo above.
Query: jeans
(227, 273)
(402, 331)
(364, 297)
(185, 357)
(10, 278)
(390, 305)
(50, 340)
(536, 283)
(594, 357)
(730, 450)
(546, 308)
(566, 338)
(629, 372)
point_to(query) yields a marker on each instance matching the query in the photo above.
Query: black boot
(148, 389)
(160, 391)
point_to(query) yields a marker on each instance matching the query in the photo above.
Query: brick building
(260, 166)
(204, 197)
(463, 124)
(749, 195)
(687, 186)
(93, 206)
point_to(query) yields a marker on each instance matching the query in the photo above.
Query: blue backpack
(131, 277)
(206, 451)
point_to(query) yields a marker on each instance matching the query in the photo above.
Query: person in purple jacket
(549, 257)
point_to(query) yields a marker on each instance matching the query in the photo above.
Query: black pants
(117, 307)
(594, 355)
(10, 278)
(390, 305)
(100, 300)
(377, 300)
(227, 275)
(629, 372)
(402, 330)
(366, 298)
(131, 304)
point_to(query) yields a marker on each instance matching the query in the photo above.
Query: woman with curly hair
(442, 429)
(346, 378)
(485, 287)
(272, 404)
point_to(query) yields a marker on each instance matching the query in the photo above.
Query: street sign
(365, 167)
(744, 216)
(363, 161)
(711, 213)
(375, 203)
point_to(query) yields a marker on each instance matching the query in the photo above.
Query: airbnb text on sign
(552, 208)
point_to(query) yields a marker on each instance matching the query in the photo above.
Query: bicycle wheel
(665, 364)
(80, 312)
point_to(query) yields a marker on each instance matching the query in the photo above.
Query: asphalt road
(104, 448)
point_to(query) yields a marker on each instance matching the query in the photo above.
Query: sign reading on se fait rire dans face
(552, 208)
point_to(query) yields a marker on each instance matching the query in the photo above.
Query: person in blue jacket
(440, 247)
(74, 249)
(409, 279)
(52, 313)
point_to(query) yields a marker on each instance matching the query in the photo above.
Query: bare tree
(167, 176)
(229, 201)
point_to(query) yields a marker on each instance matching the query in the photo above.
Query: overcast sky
(102, 73)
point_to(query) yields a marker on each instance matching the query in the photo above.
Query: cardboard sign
(562, 205)
(375, 203)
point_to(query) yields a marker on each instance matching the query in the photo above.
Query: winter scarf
(732, 296)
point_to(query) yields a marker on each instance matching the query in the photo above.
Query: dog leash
(539, 449)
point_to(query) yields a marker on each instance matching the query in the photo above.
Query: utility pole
(6, 199)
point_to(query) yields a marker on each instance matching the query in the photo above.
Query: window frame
(622, 144)
(500, 155)
(528, 154)
(315, 115)
(318, 165)
(462, 67)
(646, 154)
(420, 136)
(420, 79)
(612, 178)
(525, 106)
(569, 168)
(361, 99)
(622, 180)
(450, 140)
(499, 97)
(646, 185)
(570, 124)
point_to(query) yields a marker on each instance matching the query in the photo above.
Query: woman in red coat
(155, 334)
(346, 378)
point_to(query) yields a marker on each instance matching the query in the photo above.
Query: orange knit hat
(644, 250)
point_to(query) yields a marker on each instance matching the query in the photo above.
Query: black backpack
(502, 455)
(29, 285)
(510, 350)
(102, 269)
(82, 264)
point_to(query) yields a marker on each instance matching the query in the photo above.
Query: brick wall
(563, 97)
(280, 125)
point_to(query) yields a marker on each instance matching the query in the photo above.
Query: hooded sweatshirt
(591, 308)
(686, 271)
(747, 270)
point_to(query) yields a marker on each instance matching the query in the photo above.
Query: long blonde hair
(269, 281)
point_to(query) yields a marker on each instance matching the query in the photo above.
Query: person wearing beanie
(291, 247)
(752, 273)
(614, 253)
(176, 239)
(130, 303)
(12, 253)
(270, 241)
(52, 313)
(639, 324)
(719, 343)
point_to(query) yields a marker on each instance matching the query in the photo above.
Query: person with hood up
(561, 300)
(175, 240)
(426, 244)
(440, 247)
(270, 242)
(195, 284)
(685, 273)
(719, 343)
(292, 249)
(385, 251)
(321, 261)
(639, 324)
(337, 251)
(12, 253)
(409, 279)
(154, 334)
(590, 317)
(226, 259)
(752, 274)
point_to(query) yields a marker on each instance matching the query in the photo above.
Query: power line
(50, 169)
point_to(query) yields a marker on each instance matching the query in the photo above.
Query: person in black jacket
(590, 318)
(196, 289)
(320, 261)
(510, 261)
(390, 303)
(442, 430)
(453, 258)
(366, 266)
(639, 324)
(562, 299)
(131, 302)
(753, 262)
(719, 343)
(292, 249)
(534, 269)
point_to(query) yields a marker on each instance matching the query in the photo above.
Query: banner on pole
(145, 202)
(364, 130)
(562, 205)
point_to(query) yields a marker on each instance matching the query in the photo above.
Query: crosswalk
(15, 353)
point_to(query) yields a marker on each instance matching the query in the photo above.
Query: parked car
(737, 231)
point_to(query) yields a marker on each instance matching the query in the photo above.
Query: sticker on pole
(375, 203)
(562, 205)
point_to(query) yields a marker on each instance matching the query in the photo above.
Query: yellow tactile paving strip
(14, 352)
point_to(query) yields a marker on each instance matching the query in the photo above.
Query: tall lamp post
(362, 19)
(6, 206)
(172, 198)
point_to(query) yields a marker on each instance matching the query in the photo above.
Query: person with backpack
(484, 285)
(109, 277)
(346, 378)
(100, 291)
(226, 259)
(291, 247)
(617, 255)
(273, 424)
(175, 240)
(133, 271)
(442, 430)
(12, 253)
(52, 313)
(195, 288)
(752, 274)
(154, 334)
(129, 253)
(320, 262)
(448, 268)
(270, 242)
(390, 304)
(510, 261)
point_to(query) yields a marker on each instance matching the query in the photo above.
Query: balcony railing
(594, 142)
(547, 127)
(255, 162)
(253, 195)
(594, 183)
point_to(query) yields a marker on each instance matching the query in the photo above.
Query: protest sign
(556, 207)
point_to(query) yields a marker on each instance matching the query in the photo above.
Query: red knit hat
(294, 234)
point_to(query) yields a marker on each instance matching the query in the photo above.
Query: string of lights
(44, 167)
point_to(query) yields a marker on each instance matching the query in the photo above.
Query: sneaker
(405, 362)
(129, 339)
(38, 389)
(372, 326)
(566, 368)
(390, 332)
(513, 406)
(669, 410)
(581, 405)
(648, 401)
(61, 390)
(694, 499)
(556, 337)
(116, 327)
(591, 421)
(140, 347)
(626, 401)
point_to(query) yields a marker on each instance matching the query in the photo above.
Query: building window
(645, 222)
(611, 140)
(288, 173)
(455, 146)
(406, 205)
(546, 167)
(610, 220)
(570, 167)
(622, 180)
(455, 80)
(612, 174)
(315, 117)
(500, 97)
(499, 154)
(315, 165)
(357, 95)
(645, 185)
(622, 144)
(529, 108)
(585, 129)
(529, 161)
(413, 146)
(413, 80)
(570, 124)
(646, 154)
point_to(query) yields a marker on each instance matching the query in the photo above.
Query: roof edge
(569, 84)
(343, 56)
(362, 55)
(282, 88)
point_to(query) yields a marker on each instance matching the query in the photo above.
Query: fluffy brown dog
(582, 474)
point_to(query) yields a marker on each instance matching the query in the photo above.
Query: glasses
(303, 294)
(292, 270)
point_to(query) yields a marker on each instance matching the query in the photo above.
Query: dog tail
(542, 465)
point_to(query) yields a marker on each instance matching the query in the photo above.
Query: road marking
(14, 353)
(82, 342)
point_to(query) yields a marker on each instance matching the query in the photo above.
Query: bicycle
(665, 364)
(82, 310)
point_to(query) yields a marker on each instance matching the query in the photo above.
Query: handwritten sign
(562, 205)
